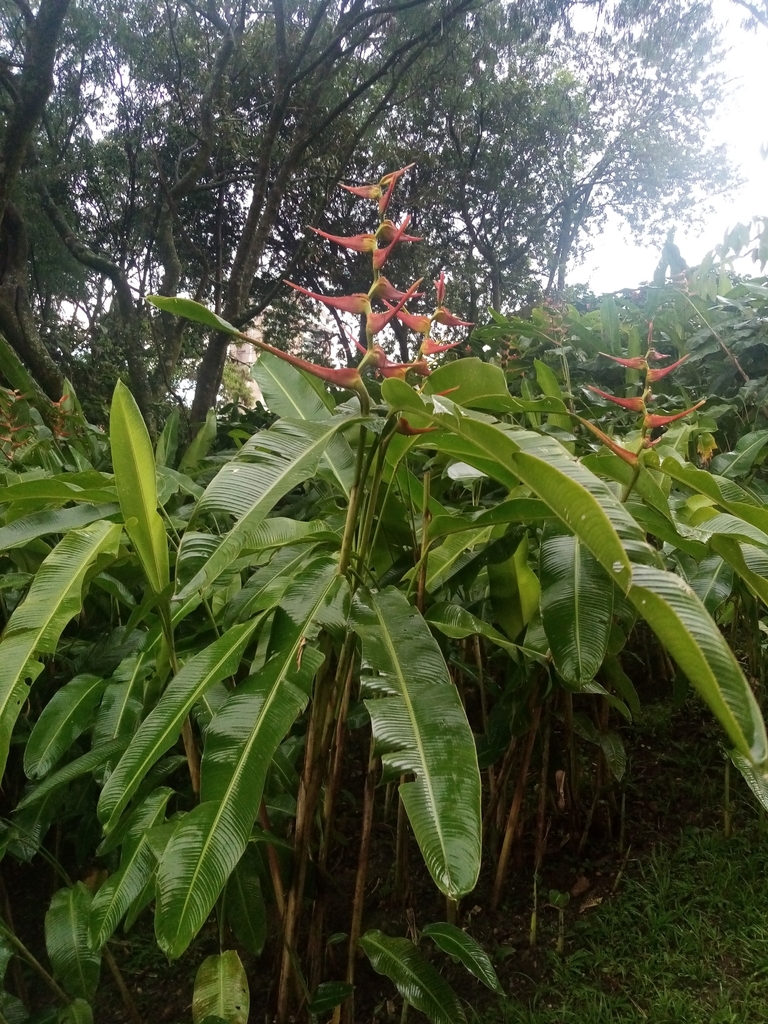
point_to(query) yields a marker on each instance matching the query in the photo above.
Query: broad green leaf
(165, 450)
(514, 591)
(413, 975)
(137, 863)
(458, 944)
(200, 444)
(420, 727)
(136, 482)
(452, 555)
(78, 1012)
(162, 727)
(244, 905)
(549, 384)
(62, 720)
(576, 605)
(265, 469)
(35, 626)
(728, 495)
(515, 510)
(750, 563)
(75, 964)
(682, 624)
(477, 384)
(239, 745)
(328, 996)
(221, 990)
(191, 310)
(610, 327)
(82, 765)
(755, 778)
(614, 753)
(712, 582)
(58, 489)
(740, 461)
(289, 393)
(455, 621)
(40, 524)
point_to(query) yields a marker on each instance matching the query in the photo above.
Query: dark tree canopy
(184, 149)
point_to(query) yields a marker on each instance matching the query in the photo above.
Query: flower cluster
(380, 245)
(650, 420)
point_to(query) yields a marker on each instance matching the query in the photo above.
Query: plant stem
(514, 811)
(727, 824)
(35, 964)
(360, 880)
(122, 988)
(541, 810)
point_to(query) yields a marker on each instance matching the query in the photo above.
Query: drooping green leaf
(162, 727)
(200, 444)
(455, 621)
(75, 964)
(136, 481)
(415, 978)
(420, 727)
(289, 393)
(62, 720)
(221, 990)
(244, 904)
(750, 563)
(756, 778)
(514, 590)
(137, 863)
(40, 524)
(712, 582)
(610, 327)
(54, 598)
(165, 450)
(191, 310)
(614, 753)
(240, 742)
(458, 944)
(740, 461)
(265, 469)
(82, 765)
(328, 996)
(78, 1012)
(576, 605)
(683, 625)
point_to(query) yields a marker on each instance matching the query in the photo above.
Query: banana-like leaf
(413, 975)
(162, 727)
(82, 765)
(514, 590)
(77, 1012)
(682, 623)
(136, 482)
(458, 944)
(576, 605)
(741, 460)
(36, 624)
(200, 443)
(712, 582)
(192, 310)
(265, 469)
(755, 778)
(221, 990)
(582, 502)
(728, 495)
(240, 742)
(58, 490)
(63, 718)
(289, 393)
(749, 562)
(137, 863)
(455, 621)
(165, 450)
(244, 905)
(421, 729)
(75, 964)
(452, 555)
(40, 524)
(614, 753)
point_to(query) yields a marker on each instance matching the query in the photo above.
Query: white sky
(616, 261)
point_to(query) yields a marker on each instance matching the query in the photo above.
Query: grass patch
(685, 941)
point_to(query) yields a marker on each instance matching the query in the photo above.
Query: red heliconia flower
(345, 377)
(383, 289)
(440, 288)
(633, 363)
(404, 427)
(633, 404)
(388, 230)
(652, 420)
(419, 367)
(357, 303)
(617, 449)
(380, 256)
(652, 353)
(657, 374)
(364, 191)
(447, 319)
(378, 321)
(360, 243)
(389, 181)
(432, 348)
(420, 324)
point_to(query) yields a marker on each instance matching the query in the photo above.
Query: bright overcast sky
(616, 261)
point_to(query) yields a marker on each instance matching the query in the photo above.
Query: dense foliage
(450, 563)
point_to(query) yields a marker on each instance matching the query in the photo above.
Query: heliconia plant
(427, 561)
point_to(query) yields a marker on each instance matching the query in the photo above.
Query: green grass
(685, 941)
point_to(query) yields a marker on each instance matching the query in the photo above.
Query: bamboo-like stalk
(401, 849)
(355, 928)
(514, 810)
(122, 988)
(541, 839)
